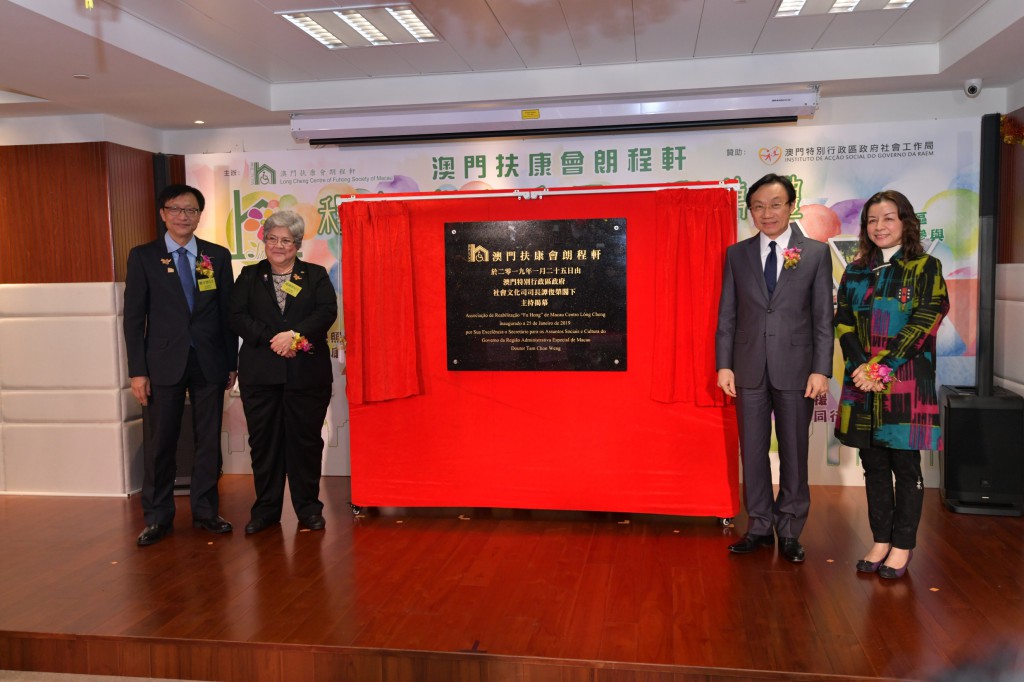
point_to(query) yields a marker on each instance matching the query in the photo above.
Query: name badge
(291, 288)
(207, 283)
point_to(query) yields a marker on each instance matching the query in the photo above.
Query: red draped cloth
(381, 354)
(656, 438)
(693, 230)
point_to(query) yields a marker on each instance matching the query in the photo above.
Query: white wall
(833, 110)
(68, 422)
(123, 426)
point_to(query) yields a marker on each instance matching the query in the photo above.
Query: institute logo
(769, 155)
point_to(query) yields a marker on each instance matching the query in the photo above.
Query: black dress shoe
(215, 524)
(791, 550)
(313, 522)
(750, 542)
(256, 525)
(151, 535)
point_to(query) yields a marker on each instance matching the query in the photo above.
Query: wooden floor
(479, 594)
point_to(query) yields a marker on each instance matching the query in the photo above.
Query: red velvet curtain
(693, 230)
(381, 355)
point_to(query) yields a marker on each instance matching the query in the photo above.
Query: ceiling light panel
(790, 8)
(363, 26)
(412, 23)
(315, 30)
(843, 6)
(806, 8)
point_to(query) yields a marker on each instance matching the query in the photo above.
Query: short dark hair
(174, 191)
(773, 179)
(912, 247)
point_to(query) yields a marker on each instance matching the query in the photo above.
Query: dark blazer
(158, 326)
(789, 335)
(256, 317)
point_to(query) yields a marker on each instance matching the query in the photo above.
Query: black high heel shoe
(890, 573)
(865, 566)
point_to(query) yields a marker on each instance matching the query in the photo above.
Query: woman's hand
(861, 379)
(282, 344)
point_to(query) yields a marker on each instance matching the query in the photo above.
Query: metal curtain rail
(535, 193)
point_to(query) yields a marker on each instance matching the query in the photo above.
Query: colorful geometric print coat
(890, 314)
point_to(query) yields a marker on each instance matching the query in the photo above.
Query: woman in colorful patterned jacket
(889, 306)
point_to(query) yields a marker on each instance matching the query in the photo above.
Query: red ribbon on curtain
(380, 317)
(693, 230)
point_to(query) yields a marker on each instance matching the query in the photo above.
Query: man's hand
(231, 380)
(817, 385)
(727, 382)
(282, 344)
(140, 389)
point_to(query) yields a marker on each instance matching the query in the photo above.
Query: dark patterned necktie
(185, 275)
(771, 269)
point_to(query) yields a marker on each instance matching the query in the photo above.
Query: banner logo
(769, 155)
(262, 174)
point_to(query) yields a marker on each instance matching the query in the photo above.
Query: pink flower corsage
(204, 266)
(877, 372)
(790, 257)
(300, 342)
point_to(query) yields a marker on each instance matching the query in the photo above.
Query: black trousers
(161, 426)
(894, 513)
(284, 441)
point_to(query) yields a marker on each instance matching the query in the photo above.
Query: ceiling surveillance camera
(972, 87)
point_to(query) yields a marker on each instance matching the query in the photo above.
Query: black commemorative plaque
(536, 295)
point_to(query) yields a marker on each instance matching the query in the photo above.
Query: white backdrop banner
(834, 168)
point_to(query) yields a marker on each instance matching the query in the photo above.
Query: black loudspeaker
(981, 464)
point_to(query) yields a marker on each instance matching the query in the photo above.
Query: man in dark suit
(773, 350)
(177, 339)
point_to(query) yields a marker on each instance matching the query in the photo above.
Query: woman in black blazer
(282, 308)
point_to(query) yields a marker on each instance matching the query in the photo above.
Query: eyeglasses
(178, 210)
(274, 241)
(762, 208)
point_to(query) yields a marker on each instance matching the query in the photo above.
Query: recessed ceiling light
(364, 25)
(898, 4)
(199, 122)
(790, 8)
(315, 30)
(843, 6)
(80, 76)
(412, 23)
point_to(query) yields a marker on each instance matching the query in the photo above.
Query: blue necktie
(185, 275)
(771, 269)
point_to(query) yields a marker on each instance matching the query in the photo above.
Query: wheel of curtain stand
(356, 509)
(726, 521)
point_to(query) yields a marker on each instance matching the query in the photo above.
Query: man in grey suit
(773, 351)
